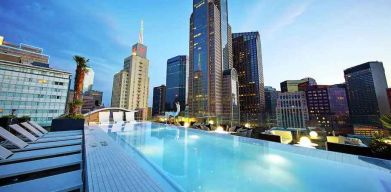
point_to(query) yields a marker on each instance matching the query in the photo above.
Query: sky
(300, 38)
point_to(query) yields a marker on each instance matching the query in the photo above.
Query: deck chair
(70, 181)
(129, 116)
(30, 137)
(23, 146)
(104, 117)
(54, 134)
(43, 136)
(118, 117)
(7, 156)
(31, 167)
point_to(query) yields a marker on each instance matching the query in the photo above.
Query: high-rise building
(159, 100)
(271, 95)
(293, 85)
(247, 60)
(131, 84)
(367, 92)
(328, 107)
(209, 56)
(176, 82)
(292, 111)
(88, 80)
(231, 105)
(389, 97)
(29, 87)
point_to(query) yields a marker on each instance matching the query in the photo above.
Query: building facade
(366, 87)
(271, 95)
(209, 56)
(25, 54)
(247, 60)
(328, 107)
(231, 105)
(176, 82)
(92, 100)
(131, 85)
(159, 100)
(88, 80)
(30, 87)
(293, 85)
(292, 110)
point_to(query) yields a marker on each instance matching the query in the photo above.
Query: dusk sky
(300, 38)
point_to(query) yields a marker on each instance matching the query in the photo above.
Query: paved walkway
(110, 168)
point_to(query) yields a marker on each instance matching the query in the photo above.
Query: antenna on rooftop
(141, 35)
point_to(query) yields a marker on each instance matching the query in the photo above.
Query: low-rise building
(292, 110)
(29, 87)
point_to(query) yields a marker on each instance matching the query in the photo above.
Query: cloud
(288, 17)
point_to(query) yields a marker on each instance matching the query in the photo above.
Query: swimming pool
(195, 160)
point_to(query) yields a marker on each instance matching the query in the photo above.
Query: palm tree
(81, 70)
(386, 121)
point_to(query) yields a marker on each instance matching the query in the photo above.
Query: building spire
(141, 34)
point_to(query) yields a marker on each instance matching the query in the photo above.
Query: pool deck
(110, 168)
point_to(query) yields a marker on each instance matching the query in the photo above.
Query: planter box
(67, 124)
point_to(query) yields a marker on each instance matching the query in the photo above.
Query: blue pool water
(200, 161)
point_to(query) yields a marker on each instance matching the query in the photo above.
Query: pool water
(200, 161)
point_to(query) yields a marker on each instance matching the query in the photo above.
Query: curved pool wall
(194, 160)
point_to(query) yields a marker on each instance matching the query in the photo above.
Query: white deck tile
(110, 168)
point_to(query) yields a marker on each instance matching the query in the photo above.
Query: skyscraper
(131, 85)
(88, 80)
(247, 60)
(231, 105)
(367, 92)
(159, 99)
(176, 82)
(209, 56)
(271, 95)
(28, 86)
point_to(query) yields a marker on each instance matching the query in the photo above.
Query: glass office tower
(177, 70)
(205, 60)
(366, 86)
(159, 97)
(248, 63)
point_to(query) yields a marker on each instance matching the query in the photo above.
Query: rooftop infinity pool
(195, 160)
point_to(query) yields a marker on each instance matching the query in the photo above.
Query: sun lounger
(69, 181)
(118, 117)
(33, 139)
(32, 129)
(29, 167)
(19, 143)
(129, 116)
(7, 156)
(54, 134)
(60, 137)
(104, 117)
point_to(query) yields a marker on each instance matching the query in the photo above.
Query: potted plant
(380, 145)
(74, 120)
(7, 120)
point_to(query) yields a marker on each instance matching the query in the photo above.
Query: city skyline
(324, 41)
